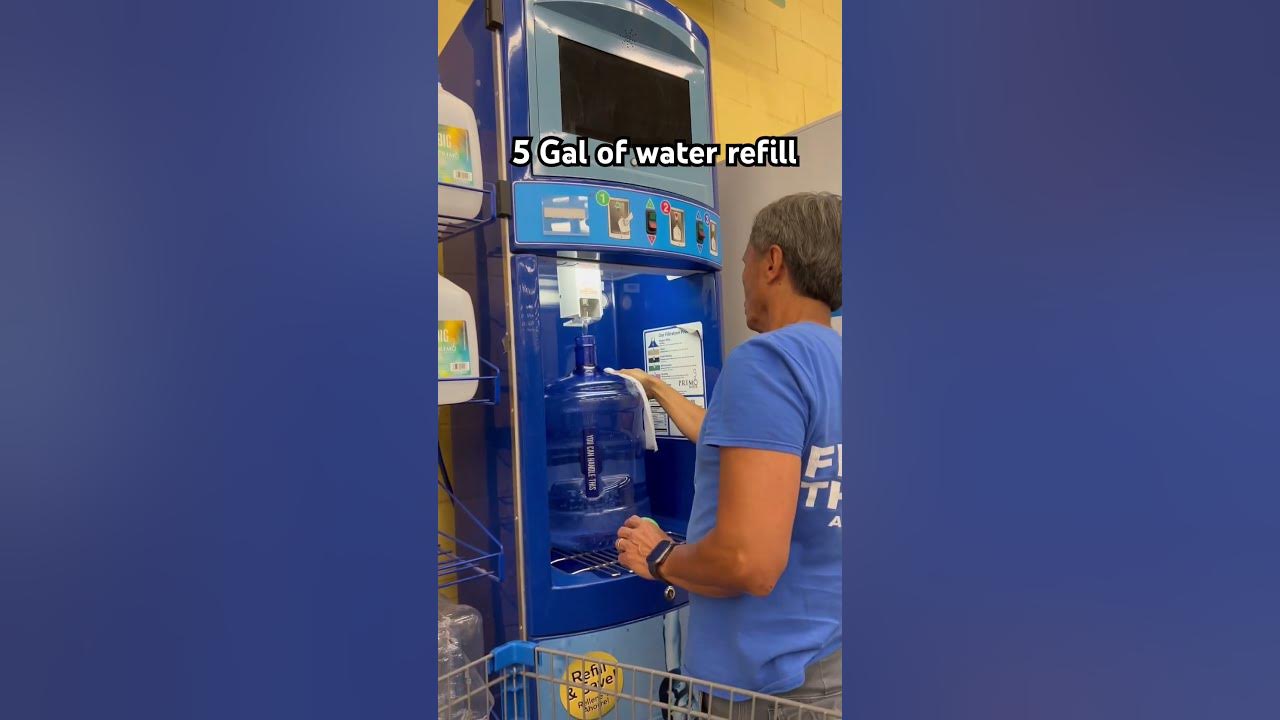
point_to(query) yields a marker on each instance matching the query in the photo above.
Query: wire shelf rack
(449, 226)
(601, 563)
(464, 562)
(457, 560)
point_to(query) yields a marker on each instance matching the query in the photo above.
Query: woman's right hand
(686, 414)
(649, 382)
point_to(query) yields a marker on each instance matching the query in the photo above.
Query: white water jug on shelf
(458, 158)
(456, 353)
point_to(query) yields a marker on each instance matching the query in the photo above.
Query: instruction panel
(674, 354)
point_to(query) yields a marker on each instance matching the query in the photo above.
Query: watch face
(658, 550)
(659, 554)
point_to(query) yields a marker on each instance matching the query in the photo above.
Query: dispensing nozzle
(582, 298)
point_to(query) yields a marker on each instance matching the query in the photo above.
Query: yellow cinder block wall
(451, 12)
(773, 69)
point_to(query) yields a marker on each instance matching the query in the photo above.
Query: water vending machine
(587, 268)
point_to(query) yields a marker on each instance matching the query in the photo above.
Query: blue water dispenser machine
(586, 268)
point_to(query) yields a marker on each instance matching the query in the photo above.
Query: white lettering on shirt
(813, 488)
(820, 458)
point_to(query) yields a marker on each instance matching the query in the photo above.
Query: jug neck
(584, 355)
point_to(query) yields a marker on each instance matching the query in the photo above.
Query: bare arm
(686, 415)
(749, 547)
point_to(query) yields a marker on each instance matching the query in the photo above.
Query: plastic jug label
(453, 357)
(590, 464)
(454, 155)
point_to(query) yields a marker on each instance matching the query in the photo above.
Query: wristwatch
(659, 556)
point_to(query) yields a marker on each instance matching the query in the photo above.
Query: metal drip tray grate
(602, 563)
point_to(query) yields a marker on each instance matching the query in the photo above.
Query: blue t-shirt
(779, 391)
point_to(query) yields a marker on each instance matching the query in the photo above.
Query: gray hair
(806, 226)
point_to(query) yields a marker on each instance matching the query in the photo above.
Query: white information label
(674, 354)
(662, 425)
(661, 421)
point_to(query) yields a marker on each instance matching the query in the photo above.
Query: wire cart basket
(520, 681)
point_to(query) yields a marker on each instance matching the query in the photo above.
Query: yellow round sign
(596, 683)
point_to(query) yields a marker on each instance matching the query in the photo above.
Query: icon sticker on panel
(620, 219)
(677, 227)
(711, 229)
(565, 215)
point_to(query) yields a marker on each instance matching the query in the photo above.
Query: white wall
(745, 190)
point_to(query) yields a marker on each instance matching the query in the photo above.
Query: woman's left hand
(636, 540)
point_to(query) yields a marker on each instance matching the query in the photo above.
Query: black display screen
(605, 97)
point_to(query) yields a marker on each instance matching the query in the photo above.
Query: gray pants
(822, 688)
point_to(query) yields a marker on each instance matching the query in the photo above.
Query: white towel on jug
(650, 438)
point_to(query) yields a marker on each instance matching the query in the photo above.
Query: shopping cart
(520, 681)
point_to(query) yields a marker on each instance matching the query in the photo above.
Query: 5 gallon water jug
(595, 448)
(462, 691)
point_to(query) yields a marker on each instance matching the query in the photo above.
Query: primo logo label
(590, 464)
